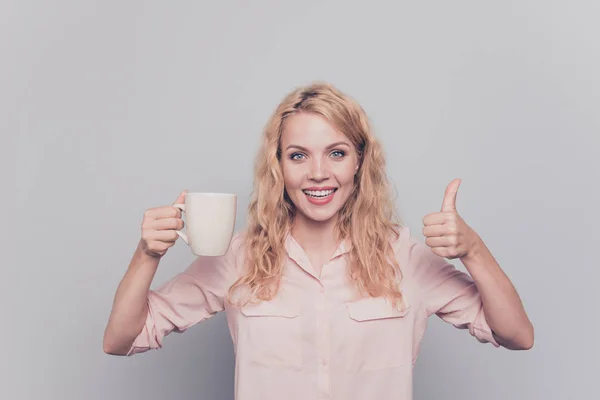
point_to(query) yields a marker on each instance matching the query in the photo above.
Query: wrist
(475, 249)
(143, 255)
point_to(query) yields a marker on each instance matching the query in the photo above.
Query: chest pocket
(271, 334)
(378, 336)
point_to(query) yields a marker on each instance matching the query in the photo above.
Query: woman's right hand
(159, 228)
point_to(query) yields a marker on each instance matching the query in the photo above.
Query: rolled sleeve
(190, 297)
(449, 293)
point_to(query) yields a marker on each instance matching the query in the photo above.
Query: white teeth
(318, 193)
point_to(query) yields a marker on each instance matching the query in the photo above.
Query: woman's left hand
(446, 232)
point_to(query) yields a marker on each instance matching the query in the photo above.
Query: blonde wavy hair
(367, 218)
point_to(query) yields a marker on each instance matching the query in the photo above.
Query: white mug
(209, 222)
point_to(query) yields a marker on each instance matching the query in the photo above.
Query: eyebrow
(327, 148)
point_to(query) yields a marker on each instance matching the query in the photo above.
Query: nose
(318, 171)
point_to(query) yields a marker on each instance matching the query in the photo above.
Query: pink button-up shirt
(315, 340)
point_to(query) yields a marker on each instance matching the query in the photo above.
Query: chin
(319, 217)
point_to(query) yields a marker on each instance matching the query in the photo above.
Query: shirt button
(324, 361)
(322, 290)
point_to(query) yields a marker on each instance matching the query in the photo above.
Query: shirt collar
(297, 253)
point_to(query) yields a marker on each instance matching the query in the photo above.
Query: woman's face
(319, 164)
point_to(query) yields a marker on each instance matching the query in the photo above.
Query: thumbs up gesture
(446, 232)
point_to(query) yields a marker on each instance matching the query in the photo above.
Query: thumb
(449, 202)
(181, 198)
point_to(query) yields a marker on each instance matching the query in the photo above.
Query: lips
(319, 196)
(319, 193)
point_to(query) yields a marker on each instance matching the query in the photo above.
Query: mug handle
(182, 234)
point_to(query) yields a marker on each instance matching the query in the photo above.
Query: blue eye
(293, 156)
(340, 152)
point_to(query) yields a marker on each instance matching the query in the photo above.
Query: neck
(314, 236)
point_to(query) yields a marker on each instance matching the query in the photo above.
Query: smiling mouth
(318, 194)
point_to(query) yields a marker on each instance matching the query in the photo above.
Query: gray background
(109, 108)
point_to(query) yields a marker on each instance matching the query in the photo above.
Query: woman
(327, 295)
